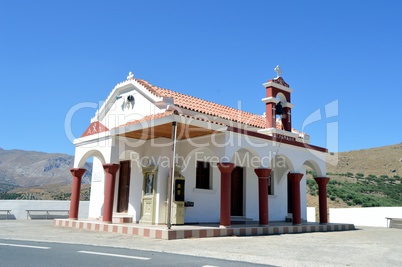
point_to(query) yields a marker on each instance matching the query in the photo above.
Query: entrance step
(242, 220)
(119, 218)
(122, 218)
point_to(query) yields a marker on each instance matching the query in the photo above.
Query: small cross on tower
(278, 71)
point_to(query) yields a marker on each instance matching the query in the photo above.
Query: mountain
(367, 177)
(19, 168)
(386, 160)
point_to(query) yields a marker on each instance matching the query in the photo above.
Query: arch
(129, 155)
(281, 165)
(282, 98)
(281, 161)
(91, 153)
(201, 154)
(314, 165)
(246, 157)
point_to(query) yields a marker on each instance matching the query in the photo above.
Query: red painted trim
(276, 139)
(95, 128)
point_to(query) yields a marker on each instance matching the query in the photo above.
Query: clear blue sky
(56, 54)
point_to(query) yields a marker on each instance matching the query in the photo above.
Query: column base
(225, 226)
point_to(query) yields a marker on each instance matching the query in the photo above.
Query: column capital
(111, 167)
(262, 172)
(322, 180)
(295, 176)
(226, 167)
(77, 172)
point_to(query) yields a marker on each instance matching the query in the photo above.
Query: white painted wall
(365, 216)
(311, 214)
(97, 189)
(18, 207)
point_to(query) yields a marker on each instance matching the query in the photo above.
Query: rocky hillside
(371, 177)
(19, 168)
(386, 160)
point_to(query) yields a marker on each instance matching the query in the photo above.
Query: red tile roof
(206, 107)
(149, 118)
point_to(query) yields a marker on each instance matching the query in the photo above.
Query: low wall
(18, 207)
(365, 216)
(311, 214)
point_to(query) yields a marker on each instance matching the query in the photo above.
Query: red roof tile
(149, 118)
(207, 107)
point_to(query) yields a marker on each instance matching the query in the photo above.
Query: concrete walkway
(364, 247)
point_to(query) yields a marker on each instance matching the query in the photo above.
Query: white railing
(18, 208)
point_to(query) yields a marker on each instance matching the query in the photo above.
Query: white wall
(18, 207)
(311, 214)
(365, 216)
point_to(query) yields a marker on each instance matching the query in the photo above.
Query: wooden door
(124, 186)
(237, 192)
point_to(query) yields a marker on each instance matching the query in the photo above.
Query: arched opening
(279, 188)
(312, 170)
(92, 180)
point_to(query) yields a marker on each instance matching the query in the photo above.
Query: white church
(161, 157)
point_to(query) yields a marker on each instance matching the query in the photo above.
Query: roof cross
(130, 76)
(278, 71)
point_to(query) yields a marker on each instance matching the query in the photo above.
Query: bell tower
(277, 102)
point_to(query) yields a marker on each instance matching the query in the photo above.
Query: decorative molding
(270, 100)
(281, 81)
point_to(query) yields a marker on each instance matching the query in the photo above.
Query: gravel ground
(367, 246)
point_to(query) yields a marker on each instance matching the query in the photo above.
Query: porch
(201, 230)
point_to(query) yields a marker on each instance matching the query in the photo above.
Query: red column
(263, 175)
(270, 115)
(226, 183)
(75, 192)
(295, 179)
(322, 198)
(287, 119)
(110, 170)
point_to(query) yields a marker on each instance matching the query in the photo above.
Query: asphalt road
(39, 254)
(367, 246)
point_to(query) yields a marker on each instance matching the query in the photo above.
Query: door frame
(123, 193)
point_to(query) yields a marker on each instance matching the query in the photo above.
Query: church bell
(279, 109)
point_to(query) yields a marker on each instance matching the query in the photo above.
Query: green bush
(370, 192)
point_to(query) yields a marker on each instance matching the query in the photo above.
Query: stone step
(242, 220)
(120, 218)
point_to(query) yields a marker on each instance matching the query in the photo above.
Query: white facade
(138, 130)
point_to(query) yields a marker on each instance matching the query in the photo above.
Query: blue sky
(56, 54)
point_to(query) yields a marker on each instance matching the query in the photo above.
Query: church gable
(129, 101)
